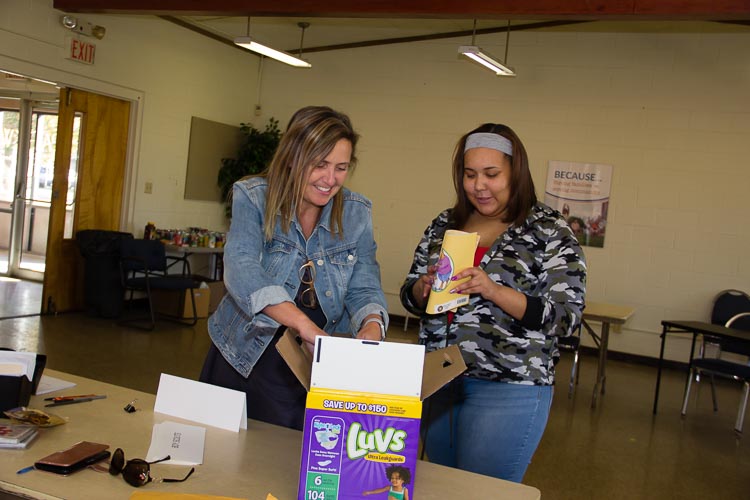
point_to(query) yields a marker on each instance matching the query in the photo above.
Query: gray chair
(732, 310)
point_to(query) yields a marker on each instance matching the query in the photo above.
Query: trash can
(102, 287)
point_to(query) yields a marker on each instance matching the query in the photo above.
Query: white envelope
(203, 403)
(183, 443)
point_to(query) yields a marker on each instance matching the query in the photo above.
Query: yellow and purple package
(456, 254)
(351, 439)
(364, 406)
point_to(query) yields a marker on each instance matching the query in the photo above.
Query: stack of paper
(17, 436)
(18, 364)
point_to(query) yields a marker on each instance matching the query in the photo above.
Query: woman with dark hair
(526, 289)
(300, 253)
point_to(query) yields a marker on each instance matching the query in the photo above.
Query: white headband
(489, 140)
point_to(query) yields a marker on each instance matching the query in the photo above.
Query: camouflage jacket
(540, 258)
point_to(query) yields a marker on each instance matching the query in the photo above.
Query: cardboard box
(218, 290)
(176, 303)
(364, 406)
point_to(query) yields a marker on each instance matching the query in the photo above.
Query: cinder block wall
(670, 112)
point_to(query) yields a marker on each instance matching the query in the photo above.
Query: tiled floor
(617, 451)
(19, 298)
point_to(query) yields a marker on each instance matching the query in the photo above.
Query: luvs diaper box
(364, 406)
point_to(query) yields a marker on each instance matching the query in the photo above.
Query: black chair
(573, 344)
(143, 267)
(731, 309)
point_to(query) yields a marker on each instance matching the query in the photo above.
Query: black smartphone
(77, 457)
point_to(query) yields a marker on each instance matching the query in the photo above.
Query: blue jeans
(491, 428)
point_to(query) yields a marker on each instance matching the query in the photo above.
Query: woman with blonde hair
(300, 253)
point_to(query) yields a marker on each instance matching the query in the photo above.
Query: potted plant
(256, 150)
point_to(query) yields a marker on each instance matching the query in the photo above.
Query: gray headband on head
(489, 140)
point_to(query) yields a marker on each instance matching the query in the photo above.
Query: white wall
(670, 112)
(170, 73)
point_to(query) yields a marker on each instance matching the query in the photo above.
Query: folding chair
(143, 267)
(732, 310)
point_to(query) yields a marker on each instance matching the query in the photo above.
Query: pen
(64, 398)
(26, 469)
(73, 401)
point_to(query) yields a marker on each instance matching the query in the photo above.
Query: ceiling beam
(452, 9)
(382, 41)
(437, 36)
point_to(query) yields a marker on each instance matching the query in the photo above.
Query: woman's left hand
(478, 282)
(511, 301)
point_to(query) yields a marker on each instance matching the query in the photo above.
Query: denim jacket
(258, 273)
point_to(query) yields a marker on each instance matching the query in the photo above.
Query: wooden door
(102, 151)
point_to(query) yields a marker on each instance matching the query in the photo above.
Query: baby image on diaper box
(361, 433)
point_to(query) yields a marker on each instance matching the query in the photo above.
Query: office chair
(732, 310)
(143, 267)
(573, 344)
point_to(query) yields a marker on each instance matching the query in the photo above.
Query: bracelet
(380, 324)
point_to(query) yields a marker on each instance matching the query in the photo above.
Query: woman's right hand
(289, 315)
(421, 288)
(308, 335)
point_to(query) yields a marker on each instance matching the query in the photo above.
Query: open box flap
(440, 367)
(296, 356)
(367, 366)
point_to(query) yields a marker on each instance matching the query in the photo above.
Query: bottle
(149, 233)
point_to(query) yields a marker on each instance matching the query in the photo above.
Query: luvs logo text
(360, 442)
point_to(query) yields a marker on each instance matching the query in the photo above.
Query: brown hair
(311, 135)
(522, 193)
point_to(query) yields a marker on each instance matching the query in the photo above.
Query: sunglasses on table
(136, 471)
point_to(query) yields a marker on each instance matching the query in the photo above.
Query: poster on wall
(580, 191)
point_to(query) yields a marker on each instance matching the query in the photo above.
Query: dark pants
(274, 394)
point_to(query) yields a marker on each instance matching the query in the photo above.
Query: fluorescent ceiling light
(248, 43)
(475, 53)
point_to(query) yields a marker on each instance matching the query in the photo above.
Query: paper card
(367, 366)
(456, 254)
(49, 384)
(183, 443)
(203, 403)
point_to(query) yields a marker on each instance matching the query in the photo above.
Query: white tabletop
(250, 464)
(611, 313)
(169, 247)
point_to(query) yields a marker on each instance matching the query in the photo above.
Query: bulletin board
(209, 142)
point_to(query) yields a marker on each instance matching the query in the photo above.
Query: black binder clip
(130, 407)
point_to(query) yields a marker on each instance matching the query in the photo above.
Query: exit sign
(81, 50)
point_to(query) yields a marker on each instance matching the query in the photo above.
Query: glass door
(27, 145)
(35, 205)
(9, 128)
